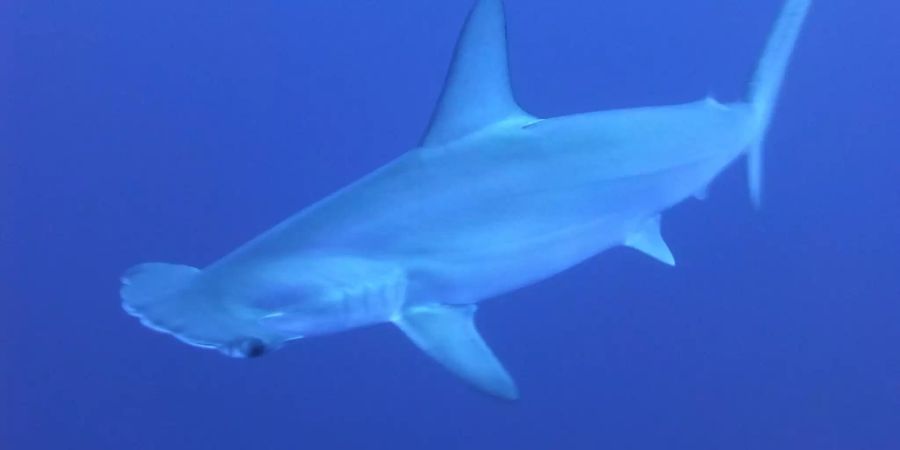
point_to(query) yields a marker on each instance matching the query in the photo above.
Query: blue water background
(174, 131)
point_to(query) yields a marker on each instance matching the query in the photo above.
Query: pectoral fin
(648, 240)
(447, 333)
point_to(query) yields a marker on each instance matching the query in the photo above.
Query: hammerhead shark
(493, 199)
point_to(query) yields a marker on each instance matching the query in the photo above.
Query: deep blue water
(174, 131)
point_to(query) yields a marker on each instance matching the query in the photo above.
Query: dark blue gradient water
(174, 131)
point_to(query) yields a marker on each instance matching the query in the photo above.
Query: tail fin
(767, 83)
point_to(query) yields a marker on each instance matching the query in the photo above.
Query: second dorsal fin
(476, 92)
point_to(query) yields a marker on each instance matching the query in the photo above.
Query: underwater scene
(466, 224)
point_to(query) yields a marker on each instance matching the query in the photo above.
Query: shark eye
(249, 348)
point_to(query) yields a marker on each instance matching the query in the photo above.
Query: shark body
(492, 200)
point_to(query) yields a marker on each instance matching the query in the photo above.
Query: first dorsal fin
(476, 92)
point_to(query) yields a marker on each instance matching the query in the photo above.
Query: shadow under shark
(492, 200)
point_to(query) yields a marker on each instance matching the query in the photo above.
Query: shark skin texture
(493, 199)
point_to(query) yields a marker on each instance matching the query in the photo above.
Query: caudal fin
(767, 83)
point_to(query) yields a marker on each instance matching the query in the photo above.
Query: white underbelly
(534, 245)
(493, 270)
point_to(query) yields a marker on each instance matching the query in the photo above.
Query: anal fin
(447, 333)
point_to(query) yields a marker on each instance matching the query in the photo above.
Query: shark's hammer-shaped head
(173, 299)
(252, 310)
